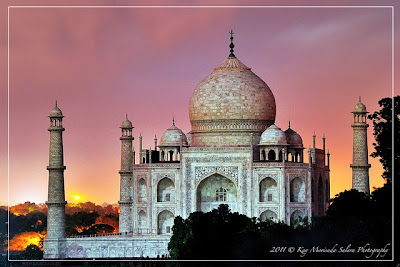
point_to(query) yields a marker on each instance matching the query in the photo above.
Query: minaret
(56, 195)
(126, 199)
(360, 164)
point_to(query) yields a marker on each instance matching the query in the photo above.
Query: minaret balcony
(56, 128)
(56, 204)
(56, 168)
(357, 166)
(125, 172)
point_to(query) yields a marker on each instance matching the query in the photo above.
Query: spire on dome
(289, 124)
(359, 99)
(231, 46)
(173, 120)
(56, 103)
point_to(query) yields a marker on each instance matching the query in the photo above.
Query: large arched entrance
(215, 190)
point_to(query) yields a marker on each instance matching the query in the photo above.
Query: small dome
(126, 124)
(293, 138)
(56, 112)
(360, 108)
(172, 137)
(273, 135)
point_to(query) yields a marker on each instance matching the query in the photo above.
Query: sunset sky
(101, 63)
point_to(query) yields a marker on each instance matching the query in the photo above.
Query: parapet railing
(100, 235)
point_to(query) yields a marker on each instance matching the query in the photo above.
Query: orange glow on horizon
(22, 241)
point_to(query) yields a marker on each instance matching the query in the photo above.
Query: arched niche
(165, 190)
(320, 190)
(268, 215)
(296, 217)
(297, 190)
(142, 190)
(215, 190)
(142, 220)
(165, 221)
(268, 190)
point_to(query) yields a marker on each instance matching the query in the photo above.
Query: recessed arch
(297, 190)
(142, 190)
(327, 191)
(268, 190)
(142, 220)
(214, 190)
(268, 215)
(271, 155)
(320, 190)
(165, 190)
(165, 221)
(295, 217)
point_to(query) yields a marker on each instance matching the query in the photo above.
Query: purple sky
(102, 63)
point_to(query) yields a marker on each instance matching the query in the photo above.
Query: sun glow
(22, 241)
(76, 197)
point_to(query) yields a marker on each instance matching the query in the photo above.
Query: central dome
(231, 99)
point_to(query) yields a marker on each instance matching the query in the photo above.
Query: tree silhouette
(383, 120)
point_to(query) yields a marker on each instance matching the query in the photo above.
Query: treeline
(28, 222)
(354, 224)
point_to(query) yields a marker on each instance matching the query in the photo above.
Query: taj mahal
(234, 155)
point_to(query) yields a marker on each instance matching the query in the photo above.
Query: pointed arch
(268, 215)
(142, 190)
(214, 190)
(268, 190)
(271, 155)
(297, 190)
(295, 217)
(165, 190)
(142, 220)
(165, 221)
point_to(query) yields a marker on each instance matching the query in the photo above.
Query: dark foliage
(32, 252)
(382, 122)
(79, 220)
(35, 221)
(354, 219)
(98, 229)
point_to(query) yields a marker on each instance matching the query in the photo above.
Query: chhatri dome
(126, 123)
(56, 112)
(273, 136)
(232, 100)
(293, 138)
(360, 107)
(172, 136)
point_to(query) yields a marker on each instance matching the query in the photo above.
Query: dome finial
(231, 44)
(359, 99)
(173, 120)
(126, 115)
(289, 124)
(56, 103)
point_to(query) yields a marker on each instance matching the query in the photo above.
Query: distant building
(233, 155)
